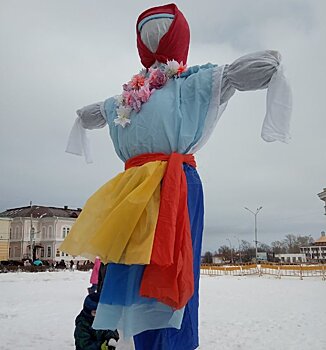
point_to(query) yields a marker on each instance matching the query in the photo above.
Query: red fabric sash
(169, 277)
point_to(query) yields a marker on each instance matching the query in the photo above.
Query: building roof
(38, 211)
(322, 239)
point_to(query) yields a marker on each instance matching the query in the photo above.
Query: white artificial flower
(171, 68)
(123, 121)
(118, 99)
(124, 111)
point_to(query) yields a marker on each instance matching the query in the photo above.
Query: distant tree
(225, 251)
(278, 247)
(304, 241)
(297, 242)
(291, 244)
(208, 258)
(245, 245)
(290, 241)
(248, 251)
(264, 248)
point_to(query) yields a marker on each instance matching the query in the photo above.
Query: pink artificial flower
(145, 93)
(126, 95)
(157, 79)
(134, 101)
(140, 88)
(137, 81)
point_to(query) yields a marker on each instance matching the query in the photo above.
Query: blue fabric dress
(173, 120)
(180, 118)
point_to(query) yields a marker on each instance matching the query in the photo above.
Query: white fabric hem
(137, 318)
(276, 124)
(78, 143)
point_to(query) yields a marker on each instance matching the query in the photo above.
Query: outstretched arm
(261, 70)
(92, 116)
(250, 72)
(89, 117)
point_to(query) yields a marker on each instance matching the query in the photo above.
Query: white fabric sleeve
(276, 126)
(261, 70)
(89, 117)
(253, 71)
(92, 116)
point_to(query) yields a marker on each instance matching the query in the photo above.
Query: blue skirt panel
(187, 337)
(158, 326)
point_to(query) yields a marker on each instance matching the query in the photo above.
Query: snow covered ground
(37, 311)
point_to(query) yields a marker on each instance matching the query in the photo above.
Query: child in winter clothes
(87, 338)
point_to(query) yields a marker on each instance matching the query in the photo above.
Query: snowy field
(37, 311)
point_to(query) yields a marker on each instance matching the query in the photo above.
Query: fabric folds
(118, 222)
(158, 326)
(132, 219)
(173, 45)
(169, 276)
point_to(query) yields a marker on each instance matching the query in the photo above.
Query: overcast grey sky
(59, 55)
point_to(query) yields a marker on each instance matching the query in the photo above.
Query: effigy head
(162, 34)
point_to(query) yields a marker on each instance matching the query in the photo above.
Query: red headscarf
(174, 45)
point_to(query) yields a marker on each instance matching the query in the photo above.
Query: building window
(50, 231)
(10, 253)
(49, 252)
(10, 233)
(65, 231)
(57, 253)
(16, 232)
(42, 252)
(16, 252)
(43, 232)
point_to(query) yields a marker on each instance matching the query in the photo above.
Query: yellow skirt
(118, 222)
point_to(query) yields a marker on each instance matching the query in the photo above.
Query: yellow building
(48, 226)
(4, 238)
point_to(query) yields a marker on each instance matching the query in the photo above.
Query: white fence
(277, 270)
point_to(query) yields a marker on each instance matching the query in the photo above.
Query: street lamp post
(230, 250)
(239, 249)
(255, 215)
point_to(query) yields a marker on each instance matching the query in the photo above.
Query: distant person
(61, 264)
(87, 338)
(72, 265)
(94, 276)
(27, 263)
(37, 262)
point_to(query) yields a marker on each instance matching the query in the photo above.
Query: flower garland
(140, 88)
